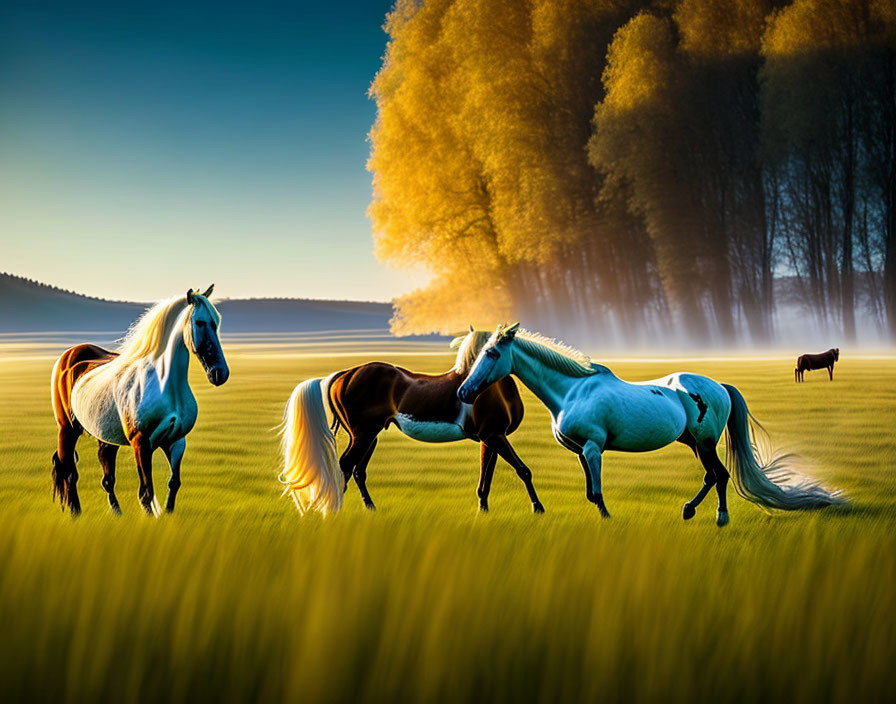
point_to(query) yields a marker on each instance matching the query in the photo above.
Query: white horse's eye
(492, 353)
(200, 323)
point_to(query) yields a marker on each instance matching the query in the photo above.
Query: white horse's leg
(175, 454)
(591, 461)
(143, 454)
(690, 508)
(106, 454)
(712, 463)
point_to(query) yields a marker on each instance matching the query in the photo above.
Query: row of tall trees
(624, 165)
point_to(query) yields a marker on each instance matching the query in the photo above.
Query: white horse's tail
(311, 471)
(773, 484)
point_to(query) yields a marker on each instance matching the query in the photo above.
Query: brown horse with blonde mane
(367, 399)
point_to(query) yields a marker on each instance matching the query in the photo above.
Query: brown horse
(824, 360)
(367, 399)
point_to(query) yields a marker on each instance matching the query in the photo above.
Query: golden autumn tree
(611, 167)
(492, 103)
(432, 203)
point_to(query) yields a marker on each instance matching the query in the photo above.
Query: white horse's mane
(555, 354)
(468, 347)
(148, 335)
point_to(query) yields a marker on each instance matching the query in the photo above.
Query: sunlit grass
(237, 598)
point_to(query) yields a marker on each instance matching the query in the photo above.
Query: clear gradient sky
(149, 147)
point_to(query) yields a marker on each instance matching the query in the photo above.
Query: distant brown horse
(808, 362)
(369, 398)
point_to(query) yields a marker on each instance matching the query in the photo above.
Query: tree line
(639, 166)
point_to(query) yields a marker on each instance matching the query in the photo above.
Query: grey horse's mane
(555, 354)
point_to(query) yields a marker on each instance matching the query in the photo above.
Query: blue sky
(149, 147)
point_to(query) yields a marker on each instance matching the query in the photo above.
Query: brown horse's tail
(334, 402)
(65, 459)
(311, 473)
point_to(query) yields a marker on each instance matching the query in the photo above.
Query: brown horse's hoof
(722, 519)
(688, 511)
(537, 507)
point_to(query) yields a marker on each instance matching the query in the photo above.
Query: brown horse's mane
(468, 348)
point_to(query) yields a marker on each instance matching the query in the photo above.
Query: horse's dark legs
(360, 473)
(714, 466)
(487, 460)
(175, 454)
(501, 445)
(354, 462)
(689, 510)
(591, 463)
(106, 454)
(65, 468)
(831, 373)
(143, 455)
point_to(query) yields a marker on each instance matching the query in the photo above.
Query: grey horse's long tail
(774, 484)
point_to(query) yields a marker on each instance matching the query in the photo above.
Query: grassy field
(235, 597)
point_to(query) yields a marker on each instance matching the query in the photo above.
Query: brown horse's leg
(354, 462)
(488, 458)
(143, 455)
(107, 454)
(831, 373)
(65, 467)
(502, 446)
(360, 474)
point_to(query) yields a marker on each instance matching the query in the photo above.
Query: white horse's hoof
(722, 518)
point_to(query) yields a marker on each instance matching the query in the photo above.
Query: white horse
(593, 410)
(138, 396)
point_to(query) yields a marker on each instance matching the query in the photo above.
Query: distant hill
(28, 306)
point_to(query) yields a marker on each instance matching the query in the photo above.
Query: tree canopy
(629, 165)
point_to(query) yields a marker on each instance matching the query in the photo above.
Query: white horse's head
(201, 336)
(494, 362)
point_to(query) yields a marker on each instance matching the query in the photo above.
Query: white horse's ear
(511, 331)
(472, 329)
(190, 297)
(208, 291)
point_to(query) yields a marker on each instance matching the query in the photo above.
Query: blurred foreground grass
(236, 598)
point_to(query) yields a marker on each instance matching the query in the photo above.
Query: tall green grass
(236, 598)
